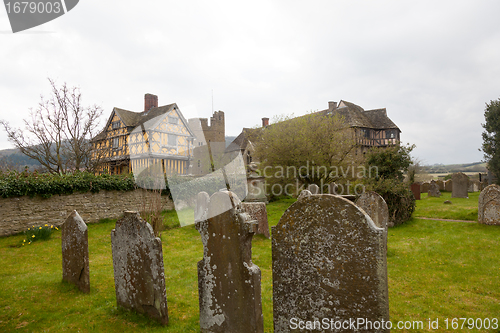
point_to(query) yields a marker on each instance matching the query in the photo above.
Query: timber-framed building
(135, 141)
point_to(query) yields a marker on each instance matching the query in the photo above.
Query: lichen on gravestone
(329, 261)
(138, 268)
(75, 252)
(228, 281)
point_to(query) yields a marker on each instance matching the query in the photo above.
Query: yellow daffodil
(32, 226)
(33, 236)
(51, 226)
(23, 244)
(24, 240)
(46, 225)
(57, 228)
(40, 228)
(28, 228)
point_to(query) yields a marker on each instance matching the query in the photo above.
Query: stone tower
(215, 132)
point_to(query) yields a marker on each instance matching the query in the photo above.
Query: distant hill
(13, 159)
(451, 168)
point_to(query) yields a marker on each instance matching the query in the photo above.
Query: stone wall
(18, 214)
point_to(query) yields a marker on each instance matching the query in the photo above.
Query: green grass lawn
(460, 208)
(436, 270)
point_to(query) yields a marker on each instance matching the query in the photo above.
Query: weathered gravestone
(424, 188)
(460, 185)
(376, 207)
(489, 205)
(138, 268)
(75, 252)
(433, 189)
(440, 184)
(329, 261)
(415, 188)
(313, 188)
(202, 199)
(448, 185)
(257, 211)
(473, 186)
(228, 281)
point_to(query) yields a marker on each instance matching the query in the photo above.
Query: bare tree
(58, 132)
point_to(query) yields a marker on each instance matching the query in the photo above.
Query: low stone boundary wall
(18, 214)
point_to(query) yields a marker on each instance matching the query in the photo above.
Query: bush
(16, 184)
(398, 196)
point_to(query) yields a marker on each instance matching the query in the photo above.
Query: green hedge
(16, 184)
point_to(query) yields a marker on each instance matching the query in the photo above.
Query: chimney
(265, 122)
(332, 106)
(150, 101)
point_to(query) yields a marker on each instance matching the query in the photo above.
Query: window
(199, 163)
(116, 143)
(173, 120)
(115, 124)
(172, 140)
(390, 134)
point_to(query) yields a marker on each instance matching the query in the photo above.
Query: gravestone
(489, 205)
(228, 281)
(256, 185)
(440, 184)
(75, 252)
(433, 190)
(424, 188)
(448, 185)
(415, 188)
(376, 207)
(202, 199)
(138, 268)
(473, 186)
(460, 185)
(313, 188)
(329, 261)
(257, 211)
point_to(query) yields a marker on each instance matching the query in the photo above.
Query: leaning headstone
(460, 185)
(448, 185)
(329, 261)
(376, 207)
(433, 189)
(440, 184)
(489, 205)
(257, 211)
(228, 281)
(138, 268)
(424, 188)
(415, 188)
(75, 252)
(313, 188)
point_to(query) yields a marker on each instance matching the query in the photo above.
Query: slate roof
(356, 116)
(134, 119)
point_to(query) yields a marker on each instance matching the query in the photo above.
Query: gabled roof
(134, 119)
(355, 116)
(241, 141)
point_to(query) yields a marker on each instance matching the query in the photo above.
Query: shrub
(16, 184)
(398, 196)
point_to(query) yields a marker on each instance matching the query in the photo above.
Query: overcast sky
(432, 64)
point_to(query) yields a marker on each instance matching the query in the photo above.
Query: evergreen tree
(491, 137)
